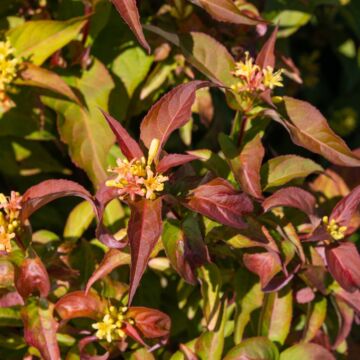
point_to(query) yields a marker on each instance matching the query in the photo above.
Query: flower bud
(153, 151)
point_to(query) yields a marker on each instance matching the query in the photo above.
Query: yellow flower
(246, 69)
(110, 328)
(3, 200)
(337, 232)
(271, 79)
(105, 328)
(5, 239)
(8, 64)
(135, 178)
(153, 183)
(5, 49)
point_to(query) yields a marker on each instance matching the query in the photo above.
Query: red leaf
(346, 208)
(132, 332)
(309, 129)
(265, 265)
(128, 146)
(144, 230)
(130, 14)
(171, 112)
(104, 195)
(40, 329)
(152, 323)
(50, 190)
(346, 317)
(32, 278)
(293, 197)
(266, 56)
(174, 242)
(185, 247)
(84, 355)
(78, 304)
(352, 299)
(219, 201)
(112, 259)
(344, 265)
(172, 160)
(245, 165)
(11, 299)
(226, 10)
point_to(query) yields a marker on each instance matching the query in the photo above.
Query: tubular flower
(112, 324)
(8, 64)
(254, 79)
(9, 219)
(337, 232)
(136, 178)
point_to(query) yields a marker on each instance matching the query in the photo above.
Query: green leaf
(10, 317)
(249, 297)
(306, 351)
(283, 169)
(199, 50)
(211, 282)
(26, 158)
(37, 40)
(142, 354)
(34, 75)
(275, 321)
(84, 129)
(315, 319)
(132, 67)
(174, 240)
(245, 163)
(258, 348)
(210, 344)
(79, 220)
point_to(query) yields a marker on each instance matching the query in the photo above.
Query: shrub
(197, 236)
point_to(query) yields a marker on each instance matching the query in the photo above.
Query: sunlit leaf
(276, 316)
(85, 130)
(306, 351)
(259, 348)
(309, 129)
(37, 40)
(283, 169)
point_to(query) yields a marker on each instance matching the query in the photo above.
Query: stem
(236, 124)
(242, 129)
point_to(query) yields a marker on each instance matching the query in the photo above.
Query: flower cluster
(136, 177)
(254, 79)
(9, 219)
(8, 64)
(112, 324)
(337, 232)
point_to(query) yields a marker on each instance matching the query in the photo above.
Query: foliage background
(322, 37)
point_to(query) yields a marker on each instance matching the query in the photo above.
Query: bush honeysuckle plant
(167, 189)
